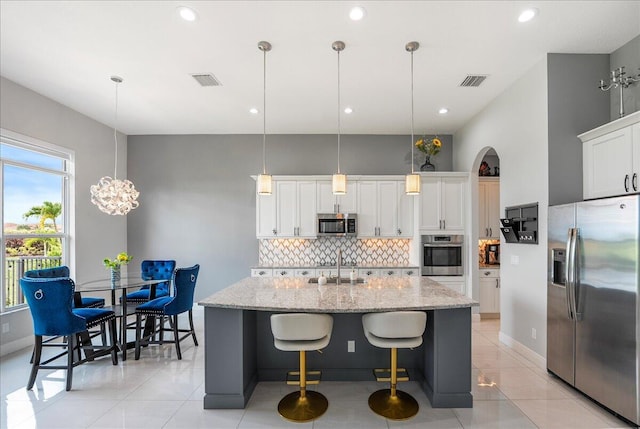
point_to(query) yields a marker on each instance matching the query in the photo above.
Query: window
(34, 208)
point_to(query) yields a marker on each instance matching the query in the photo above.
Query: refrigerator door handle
(572, 285)
(568, 273)
(576, 277)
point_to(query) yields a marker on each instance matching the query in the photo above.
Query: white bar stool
(302, 332)
(394, 330)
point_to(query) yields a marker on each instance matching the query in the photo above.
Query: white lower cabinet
(261, 272)
(305, 272)
(368, 272)
(456, 283)
(489, 292)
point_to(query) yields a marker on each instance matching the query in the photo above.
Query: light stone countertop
(376, 295)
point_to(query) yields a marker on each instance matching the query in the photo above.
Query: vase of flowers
(114, 265)
(430, 147)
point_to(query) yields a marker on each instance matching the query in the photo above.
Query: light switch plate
(515, 260)
(351, 346)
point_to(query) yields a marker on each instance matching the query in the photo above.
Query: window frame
(67, 173)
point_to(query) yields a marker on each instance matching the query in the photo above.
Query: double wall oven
(442, 255)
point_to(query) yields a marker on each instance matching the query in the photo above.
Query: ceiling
(67, 51)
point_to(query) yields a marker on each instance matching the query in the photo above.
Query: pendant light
(113, 196)
(412, 181)
(264, 179)
(339, 180)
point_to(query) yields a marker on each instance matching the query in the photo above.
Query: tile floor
(158, 391)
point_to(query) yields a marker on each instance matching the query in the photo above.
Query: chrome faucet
(339, 263)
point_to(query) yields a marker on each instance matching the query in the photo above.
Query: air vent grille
(206, 79)
(473, 80)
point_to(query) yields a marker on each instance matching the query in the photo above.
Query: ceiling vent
(206, 79)
(473, 80)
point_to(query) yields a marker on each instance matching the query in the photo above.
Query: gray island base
(239, 349)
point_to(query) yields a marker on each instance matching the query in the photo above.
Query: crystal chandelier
(339, 180)
(264, 179)
(412, 180)
(114, 196)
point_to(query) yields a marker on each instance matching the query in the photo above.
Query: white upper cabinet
(611, 158)
(295, 208)
(383, 210)
(329, 203)
(266, 216)
(489, 208)
(442, 203)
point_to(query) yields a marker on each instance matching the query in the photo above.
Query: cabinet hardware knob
(389, 273)
(486, 273)
(410, 273)
(304, 273)
(399, 231)
(497, 283)
(274, 231)
(261, 273)
(490, 232)
(369, 273)
(634, 181)
(444, 224)
(282, 273)
(626, 183)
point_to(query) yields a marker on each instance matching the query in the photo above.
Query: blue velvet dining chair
(50, 302)
(153, 270)
(169, 307)
(79, 301)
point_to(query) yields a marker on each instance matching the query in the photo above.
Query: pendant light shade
(412, 180)
(339, 180)
(264, 179)
(110, 195)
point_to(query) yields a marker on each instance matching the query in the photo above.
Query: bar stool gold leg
(392, 403)
(303, 406)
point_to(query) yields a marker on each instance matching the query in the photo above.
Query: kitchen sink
(334, 280)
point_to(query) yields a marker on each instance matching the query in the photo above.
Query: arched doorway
(485, 236)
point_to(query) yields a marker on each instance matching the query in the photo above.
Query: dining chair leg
(138, 329)
(176, 335)
(114, 341)
(71, 346)
(37, 353)
(193, 331)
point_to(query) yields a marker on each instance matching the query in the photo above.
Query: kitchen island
(239, 349)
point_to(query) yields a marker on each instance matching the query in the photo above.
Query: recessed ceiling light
(357, 13)
(443, 111)
(348, 110)
(254, 111)
(528, 14)
(187, 13)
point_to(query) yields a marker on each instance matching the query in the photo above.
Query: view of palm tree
(46, 211)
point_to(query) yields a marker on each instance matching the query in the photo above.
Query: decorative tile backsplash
(323, 251)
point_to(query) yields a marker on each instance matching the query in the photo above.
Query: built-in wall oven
(442, 255)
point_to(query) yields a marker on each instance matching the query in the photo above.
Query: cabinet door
(430, 204)
(387, 194)
(405, 212)
(607, 162)
(489, 291)
(306, 207)
(286, 208)
(493, 209)
(266, 226)
(349, 203)
(367, 208)
(326, 200)
(452, 203)
(483, 223)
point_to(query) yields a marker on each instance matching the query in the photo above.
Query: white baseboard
(16, 345)
(525, 351)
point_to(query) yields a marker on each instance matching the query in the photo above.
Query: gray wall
(575, 105)
(628, 56)
(197, 200)
(96, 234)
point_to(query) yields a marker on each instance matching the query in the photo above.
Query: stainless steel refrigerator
(593, 305)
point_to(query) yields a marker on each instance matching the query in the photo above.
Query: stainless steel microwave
(337, 225)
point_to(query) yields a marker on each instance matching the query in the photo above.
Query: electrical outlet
(5, 328)
(533, 333)
(351, 346)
